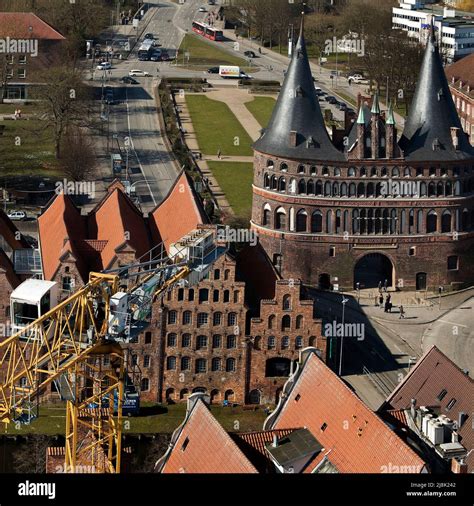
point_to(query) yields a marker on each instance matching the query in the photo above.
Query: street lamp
(344, 302)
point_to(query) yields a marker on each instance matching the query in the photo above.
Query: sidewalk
(414, 314)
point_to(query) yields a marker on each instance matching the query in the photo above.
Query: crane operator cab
(31, 300)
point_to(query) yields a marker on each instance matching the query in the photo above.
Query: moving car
(356, 78)
(139, 73)
(149, 36)
(249, 54)
(106, 65)
(128, 80)
(213, 70)
(17, 215)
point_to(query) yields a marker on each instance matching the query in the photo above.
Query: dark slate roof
(297, 109)
(432, 114)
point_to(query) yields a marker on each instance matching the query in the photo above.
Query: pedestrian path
(227, 158)
(192, 143)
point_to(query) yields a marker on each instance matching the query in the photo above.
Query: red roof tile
(359, 441)
(203, 446)
(462, 71)
(60, 226)
(177, 215)
(26, 25)
(433, 373)
(117, 221)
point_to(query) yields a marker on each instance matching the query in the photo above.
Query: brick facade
(345, 217)
(285, 326)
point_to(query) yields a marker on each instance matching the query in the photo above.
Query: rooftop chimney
(455, 137)
(275, 441)
(293, 137)
(461, 419)
(454, 437)
(413, 408)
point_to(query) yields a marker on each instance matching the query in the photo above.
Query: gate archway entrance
(372, 269)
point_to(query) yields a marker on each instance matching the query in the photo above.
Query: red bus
(207, 31)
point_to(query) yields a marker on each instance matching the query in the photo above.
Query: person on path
(402, 312)
(385, 285)
(219, 154)
(381, 300)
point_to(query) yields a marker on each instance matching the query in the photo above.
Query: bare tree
(62, 100)
(78, 161)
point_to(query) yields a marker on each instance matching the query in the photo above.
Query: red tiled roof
(433, 373)
(359, 441)
(203, 446)
(117, 221)
(462, 70)
(26, 25)
(177, 215)
(60, 226)
(253, 444)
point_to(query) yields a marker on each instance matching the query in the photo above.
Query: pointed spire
(297, 129)
(361, 117)
(390, 117)
(433, 114)
(375, 104)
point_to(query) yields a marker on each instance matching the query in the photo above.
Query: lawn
(206, 54)
(26, 148)
(235, 180)
(154, 419)
(261, 108)
(217, 128)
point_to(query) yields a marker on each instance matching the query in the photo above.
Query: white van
(229, 71)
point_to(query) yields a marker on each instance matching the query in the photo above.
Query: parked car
(350, 110)
(156, 55)
(341, 106)
(149, 36)
(213, 70)
(106, 65)
(202, 9)
(165, 56)
(17, 215)
(331, 99)
(249, 54)
(139, 73)
(128, 80)
(243, 75)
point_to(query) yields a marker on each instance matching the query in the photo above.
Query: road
(453, 334)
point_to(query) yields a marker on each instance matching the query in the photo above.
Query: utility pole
(344, 302)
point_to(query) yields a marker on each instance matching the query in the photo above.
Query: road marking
(133, 147)
(451, 323)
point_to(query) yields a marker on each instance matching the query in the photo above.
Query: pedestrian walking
(381, 300)
(219, 154)
(402, 312)
(385, 284)
(380, 286)
(259, 50)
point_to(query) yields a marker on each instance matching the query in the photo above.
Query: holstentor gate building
(382, 207)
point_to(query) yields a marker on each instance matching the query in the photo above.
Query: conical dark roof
(297, 110)
(427, 132)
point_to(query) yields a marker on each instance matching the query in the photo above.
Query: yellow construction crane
(67, 344)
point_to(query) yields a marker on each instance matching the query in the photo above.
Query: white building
(456, 27)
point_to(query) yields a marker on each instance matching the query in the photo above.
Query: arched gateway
(372, 269)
